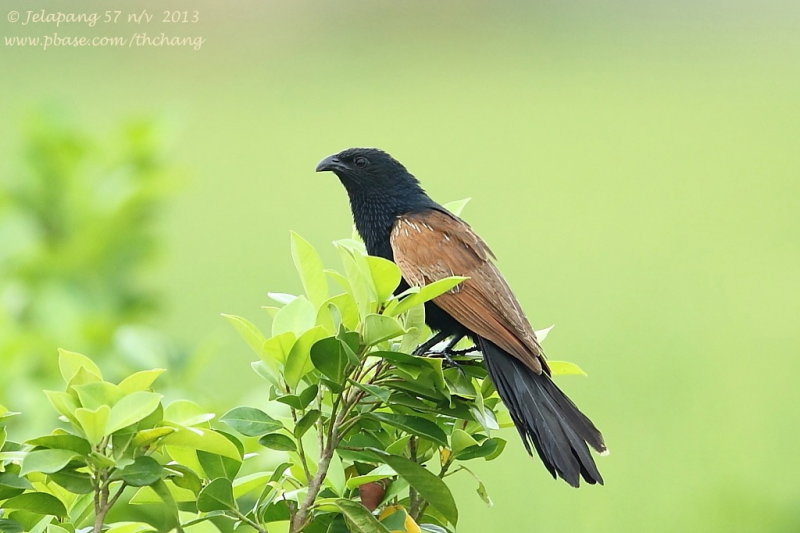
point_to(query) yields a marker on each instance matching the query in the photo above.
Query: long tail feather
(545, 417)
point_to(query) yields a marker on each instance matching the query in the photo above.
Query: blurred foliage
(76, 238)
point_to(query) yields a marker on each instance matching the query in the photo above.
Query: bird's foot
(465, 351)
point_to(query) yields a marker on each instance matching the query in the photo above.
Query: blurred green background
(634, 165)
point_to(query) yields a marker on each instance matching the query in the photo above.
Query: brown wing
(432, 245)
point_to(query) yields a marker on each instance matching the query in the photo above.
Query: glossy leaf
(359, 519)
(378, 328)
(140, 381)
(297, 317)
(429, 486)
(143, 471)
(376, 474)
(309, 266)
(385, 276)
(63, 402)
(186, 413)
(37, 502)
(564, 368)
(202, 439)
(131, 409)
(416, 296)
(298, 363)
(251, 421)
(46, 461)
(457, 206)
(218, 466)
(305, 423)
(216, 496)
(249, 333)
(329, 357)
(63, 441)
(70, 362)
(93, 395)
(94, 422)
(149, 436)
(278, 441)
(414, 424)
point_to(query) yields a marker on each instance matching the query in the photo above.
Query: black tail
(545, 417)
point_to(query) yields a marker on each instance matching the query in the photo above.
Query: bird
(398, 221)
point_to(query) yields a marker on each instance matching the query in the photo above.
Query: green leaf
(249, 332)
(140, 381)
(93, 422)
(130, 527)
(251, 421)
(429, 486)
(46, 461)
(63, 402)
(418, 295)
(216, 496)
(378, 328)
(278, 441)
(186, 413)
(541, 334)
(93, 395)
(329, 357)
(5, 413)
(564, 368)
(297, 317)
(298, 364)
(202, 439)
(381, 393)
(37, 502)
(385, 276)
(277, 349)
(70, 362)
(63, 441)
(146, 437)
(11, 480)
(381, 472)
(218, 466)
(74, 481)
(305, 423)
(359, 519)
(246, 484)
(359, 278)
(142, 472)
(12, 526)
(460, 439)
(308, 395)
(489, 448)
(432, 528)
(456, 206)
(309, 266)
(347, 307)
(414, 424)
(131, 409)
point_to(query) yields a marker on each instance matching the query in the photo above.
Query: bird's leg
(465, 351)
(423, 348)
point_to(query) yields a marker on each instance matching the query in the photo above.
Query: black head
(367, 170)
(380, 190)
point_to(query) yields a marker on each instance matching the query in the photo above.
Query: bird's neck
(375, 214)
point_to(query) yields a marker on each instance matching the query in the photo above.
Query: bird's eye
(361, 162)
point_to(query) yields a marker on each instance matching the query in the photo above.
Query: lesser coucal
(398, 221)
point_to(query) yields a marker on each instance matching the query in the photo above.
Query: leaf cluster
(355, 433)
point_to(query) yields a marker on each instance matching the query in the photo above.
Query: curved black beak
(331, 162)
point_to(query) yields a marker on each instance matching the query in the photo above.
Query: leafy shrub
(354, 423)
